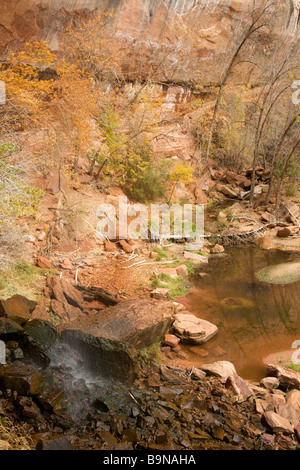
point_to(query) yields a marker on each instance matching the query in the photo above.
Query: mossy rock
(284, 273)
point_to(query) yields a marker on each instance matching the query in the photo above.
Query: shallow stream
(255, 319)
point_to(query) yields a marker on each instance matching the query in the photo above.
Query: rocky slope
(52, 394)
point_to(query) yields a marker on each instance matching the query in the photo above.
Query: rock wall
(26, 20)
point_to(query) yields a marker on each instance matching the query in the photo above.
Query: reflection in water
(254, 318)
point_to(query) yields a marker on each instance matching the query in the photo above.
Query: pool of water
(255, 319)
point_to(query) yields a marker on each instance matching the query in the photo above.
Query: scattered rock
(18, 308)
(269, 382)
(172, 272)
(287, 231)
(66, 264)
(60, 443)
(288, 378)
(222, 369)
(195, 257)
(160, 293)
(9, 327)
(171, 340)
(217, 249)
(25, 380)
(43, 263)
(293, 398)
(277, 423)
(125, 246)
(182, 270)
(192, 329)
(237, 385)
(109, 246)
(287, 411)
(228, 192)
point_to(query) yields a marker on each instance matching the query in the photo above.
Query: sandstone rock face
(31, 20)
(193, 330)
(139, 322)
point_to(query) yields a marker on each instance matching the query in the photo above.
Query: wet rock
(9, 327)
(237, 385)
(103, 356)
(29, 409)
(51, 397)
(60, 443)
(171, 376)
(39, 336)
(192, 329)
(269, 382)
(18, 308)
(222, 369)
(25, 380)
(42, 331)
(277, 423)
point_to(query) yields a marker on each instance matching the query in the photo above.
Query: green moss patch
(283, 273)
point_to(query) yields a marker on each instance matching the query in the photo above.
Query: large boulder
(140, 322)
(193, 330)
